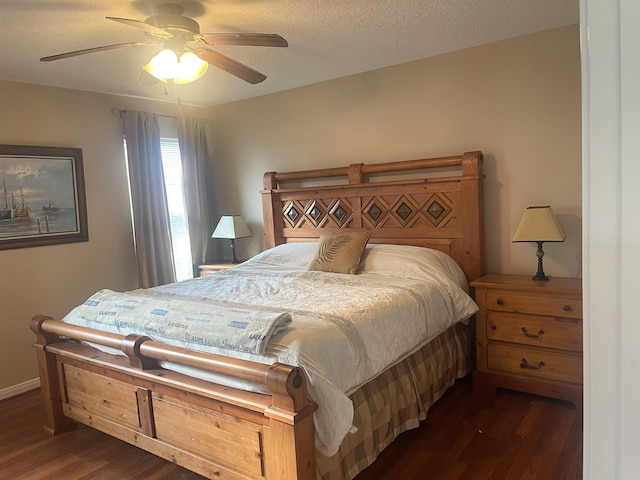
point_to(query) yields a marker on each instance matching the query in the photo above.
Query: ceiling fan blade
(94, 50)
(248, 39)
(230, 66)
(142, 26)
(146, 79)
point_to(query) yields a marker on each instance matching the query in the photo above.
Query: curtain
(152, 233)
(194, 155)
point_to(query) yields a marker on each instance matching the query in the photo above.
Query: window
(174, 187)
(172, 167)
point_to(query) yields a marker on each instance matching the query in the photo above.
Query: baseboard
(19, 388)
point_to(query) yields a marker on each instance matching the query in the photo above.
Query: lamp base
(537, 276)
(540, 275)
(234, 259)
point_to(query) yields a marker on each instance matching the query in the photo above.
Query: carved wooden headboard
(435, 211)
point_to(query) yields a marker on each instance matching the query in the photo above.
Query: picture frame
(42, 196)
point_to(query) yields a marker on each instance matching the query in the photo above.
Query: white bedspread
(345, 329)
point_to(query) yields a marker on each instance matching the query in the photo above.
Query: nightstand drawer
(550, 332)
(550, 305)
(536, 363)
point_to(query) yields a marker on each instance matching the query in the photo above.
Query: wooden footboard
(216, 431)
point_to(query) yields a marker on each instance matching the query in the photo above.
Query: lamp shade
(231, 226)
(539, 224)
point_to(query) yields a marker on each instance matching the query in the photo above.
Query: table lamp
(539, 225)
(231, 227)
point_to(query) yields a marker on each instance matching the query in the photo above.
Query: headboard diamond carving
(341, 211)
(435, 210)
(404, 211)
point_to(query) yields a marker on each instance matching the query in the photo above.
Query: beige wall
(518, 101)
(53, 279)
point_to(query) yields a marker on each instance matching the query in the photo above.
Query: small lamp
(539, 225)
(232, 227)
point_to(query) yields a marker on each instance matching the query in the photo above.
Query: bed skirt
(397, 400)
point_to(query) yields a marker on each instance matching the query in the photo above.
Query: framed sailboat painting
(42, 196)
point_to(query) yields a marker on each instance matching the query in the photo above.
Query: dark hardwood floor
(513, 436)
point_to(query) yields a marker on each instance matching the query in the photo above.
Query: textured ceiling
(327, 39)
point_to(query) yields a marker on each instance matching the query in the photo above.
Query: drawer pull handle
(532, 335)
(566, 308)
(499, 301)
(525, 364)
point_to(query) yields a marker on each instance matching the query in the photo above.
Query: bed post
(269, 183)
(55, 420)
(472, 200)
(289, 449)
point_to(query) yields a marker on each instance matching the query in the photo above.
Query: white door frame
(610, 37)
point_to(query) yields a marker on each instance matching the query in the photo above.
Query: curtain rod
(120, 113)
(117, 111)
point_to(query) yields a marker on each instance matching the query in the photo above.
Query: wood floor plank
(510, 436)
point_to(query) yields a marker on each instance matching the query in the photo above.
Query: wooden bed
(225, 433)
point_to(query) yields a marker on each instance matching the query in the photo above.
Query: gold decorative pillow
(339, 252)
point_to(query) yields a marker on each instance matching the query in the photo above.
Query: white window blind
(172, 167)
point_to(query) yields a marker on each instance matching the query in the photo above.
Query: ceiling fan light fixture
(190, 68)
(162, 66)
(167, 66)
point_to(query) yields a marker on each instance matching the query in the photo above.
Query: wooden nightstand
(529, 335)
(209, 268)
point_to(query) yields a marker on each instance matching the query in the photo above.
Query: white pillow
(411, 262)
(386, 259)
(287, 255)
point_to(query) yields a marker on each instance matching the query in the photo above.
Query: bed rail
(286, 384)
(356, 172)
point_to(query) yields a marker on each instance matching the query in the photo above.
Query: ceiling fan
(182, 36)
